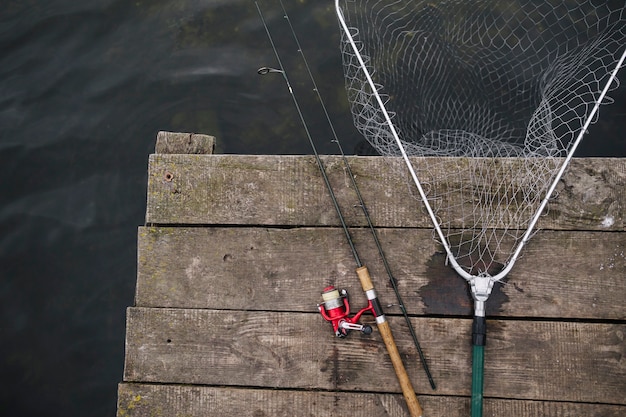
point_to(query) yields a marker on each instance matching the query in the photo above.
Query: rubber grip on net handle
(385, 331)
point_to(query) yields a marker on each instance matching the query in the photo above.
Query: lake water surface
(84, 88)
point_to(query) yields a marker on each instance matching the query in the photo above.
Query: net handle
(478, 367)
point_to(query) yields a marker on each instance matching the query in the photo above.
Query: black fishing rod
(362, 272)
(383, 257)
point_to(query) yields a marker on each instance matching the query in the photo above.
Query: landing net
(507, 88)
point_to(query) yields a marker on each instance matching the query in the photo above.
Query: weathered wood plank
(552, 361)
(184, 143)
(288, 190)
(562, 274)
(139, 400)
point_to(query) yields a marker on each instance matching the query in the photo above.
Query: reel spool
(335, 309)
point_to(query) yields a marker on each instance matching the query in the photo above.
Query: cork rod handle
(364, 277)
(385, 331)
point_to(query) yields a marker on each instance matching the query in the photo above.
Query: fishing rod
(334, 302)
(383, 257)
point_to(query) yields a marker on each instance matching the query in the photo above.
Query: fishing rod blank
(392, 279)
(362, 272)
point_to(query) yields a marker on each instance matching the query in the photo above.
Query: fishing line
(267, 70)
(374, 305)
(370, 225)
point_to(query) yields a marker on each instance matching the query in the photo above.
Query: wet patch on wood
(448, 293)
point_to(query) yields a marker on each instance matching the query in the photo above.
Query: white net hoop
(507, 88)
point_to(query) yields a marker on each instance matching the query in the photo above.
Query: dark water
(84, 88)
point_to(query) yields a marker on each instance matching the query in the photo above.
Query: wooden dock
(237, 248)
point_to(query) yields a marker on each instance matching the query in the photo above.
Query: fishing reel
(335, 309)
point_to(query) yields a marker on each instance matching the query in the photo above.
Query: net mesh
(504, 87)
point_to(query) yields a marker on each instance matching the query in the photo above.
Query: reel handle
(385, 331)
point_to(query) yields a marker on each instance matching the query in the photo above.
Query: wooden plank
(288, 190)
(561, 274)
(551, 361)
(139, 400)
(184, 143)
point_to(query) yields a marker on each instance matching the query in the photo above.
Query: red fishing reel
(335, 309)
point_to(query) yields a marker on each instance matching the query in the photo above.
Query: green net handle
(479, 332)
(478, 358)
